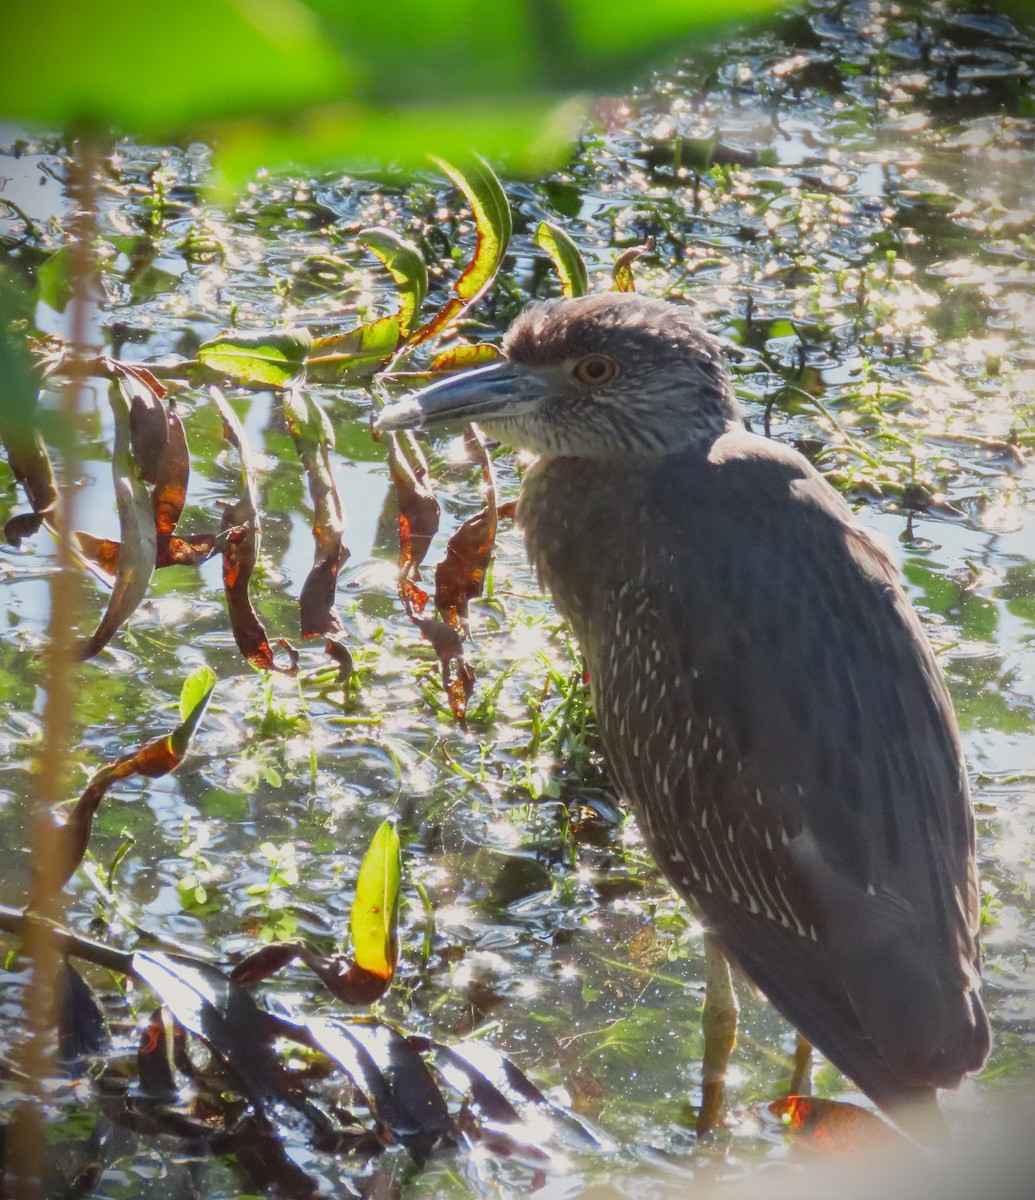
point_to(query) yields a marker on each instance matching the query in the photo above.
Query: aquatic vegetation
(846, 198)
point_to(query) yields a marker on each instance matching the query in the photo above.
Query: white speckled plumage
(767, 700)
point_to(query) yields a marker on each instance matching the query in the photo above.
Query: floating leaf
(375, 909)
(567, 260)
(493, 227)
(406, 265)
(268, 358)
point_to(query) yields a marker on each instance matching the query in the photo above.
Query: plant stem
(37, 1052)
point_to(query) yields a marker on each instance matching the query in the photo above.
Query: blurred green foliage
(315, 81)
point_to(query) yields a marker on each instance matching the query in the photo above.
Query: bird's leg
(801, 1077)
(719, 1026)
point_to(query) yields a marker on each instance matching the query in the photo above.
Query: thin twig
(38, 1050)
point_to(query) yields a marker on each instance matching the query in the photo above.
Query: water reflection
(857, 223)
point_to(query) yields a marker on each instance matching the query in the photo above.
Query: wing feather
(769, 704)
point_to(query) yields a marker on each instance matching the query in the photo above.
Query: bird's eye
(595, 369)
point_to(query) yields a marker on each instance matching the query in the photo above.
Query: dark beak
(502, 390)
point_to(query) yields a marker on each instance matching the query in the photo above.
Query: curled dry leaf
(148, 427)
(839, 1130)
(621, 272)
(170, 495)
(418, 507)
(30, 463)
(102, 554)
(155, 758)
(448, 645)
(340, 653)
(460, 576)
(241, 552)
(138, 543)
(313, 435)
(345, 980)
(265, 961)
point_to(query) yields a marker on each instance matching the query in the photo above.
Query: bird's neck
(579, 529)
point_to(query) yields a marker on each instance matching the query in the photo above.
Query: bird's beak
(503, 389)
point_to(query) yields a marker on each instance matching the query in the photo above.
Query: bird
(767, 700)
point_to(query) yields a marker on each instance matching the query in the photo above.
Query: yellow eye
(595, 369)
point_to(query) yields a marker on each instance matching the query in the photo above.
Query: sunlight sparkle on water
(455, 451)
(504, 833)
(453, 916)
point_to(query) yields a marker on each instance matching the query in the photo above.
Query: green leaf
(52, 282)
(493, 221)
(940, 594)
(268, 357)
(323, 82)
(423, 51)
(369, 340)
(121, 63)
(197, 688)
(493, 226)
(406, 265)
(462, 356)
(527, 136)
(567, 260)
(375, 910)
(194, 698)
(610, 33)
(360, 351)
(18, 409)
(781, 329)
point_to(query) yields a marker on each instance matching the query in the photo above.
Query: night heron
(767, 699)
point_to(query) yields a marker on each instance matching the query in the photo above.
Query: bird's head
(605, 376)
